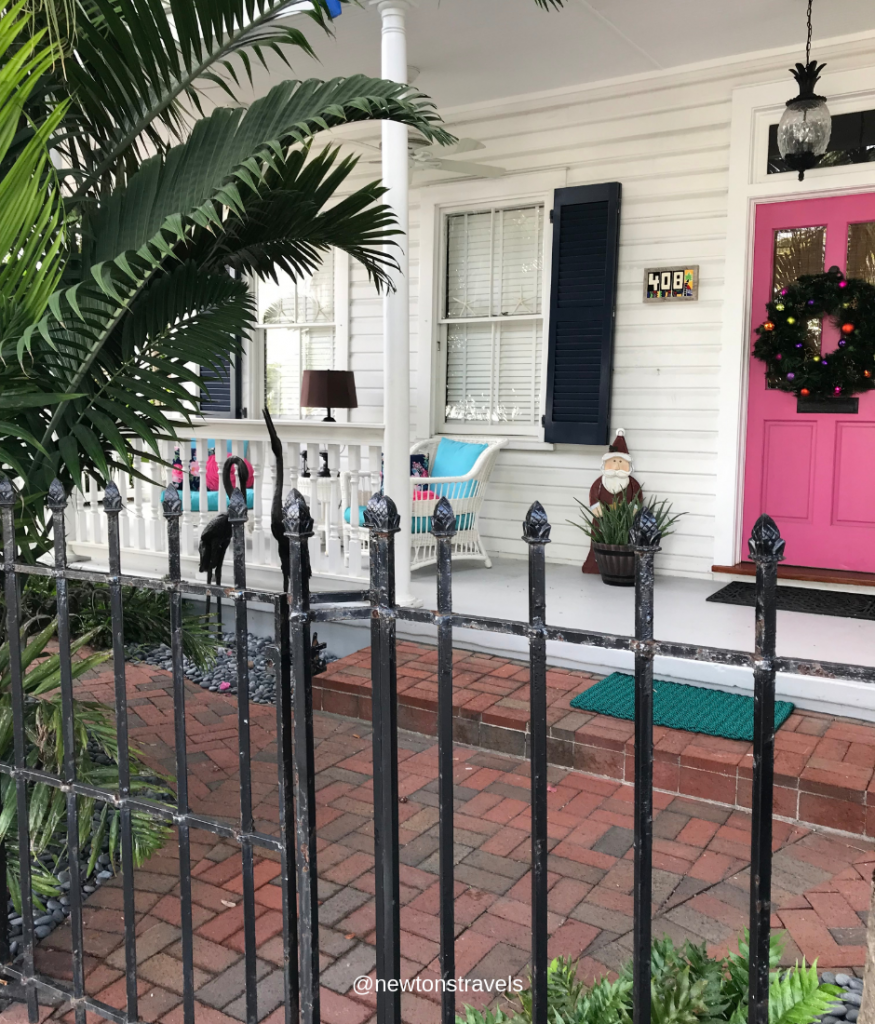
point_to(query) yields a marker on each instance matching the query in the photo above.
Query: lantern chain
(808, 42)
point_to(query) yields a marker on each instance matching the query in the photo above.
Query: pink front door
(813, 473)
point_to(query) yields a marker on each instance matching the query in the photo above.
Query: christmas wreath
(783, 340)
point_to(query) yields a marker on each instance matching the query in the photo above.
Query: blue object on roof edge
(334, 8)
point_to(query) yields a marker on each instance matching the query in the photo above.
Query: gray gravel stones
(846, 1011)
(222, 677)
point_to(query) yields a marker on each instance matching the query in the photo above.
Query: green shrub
(146, 620)
(687, 987)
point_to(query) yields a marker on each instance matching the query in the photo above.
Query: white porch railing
(351, 448)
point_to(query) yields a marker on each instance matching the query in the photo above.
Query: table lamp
(328, 389)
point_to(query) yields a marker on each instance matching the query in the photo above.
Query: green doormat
(679, 706)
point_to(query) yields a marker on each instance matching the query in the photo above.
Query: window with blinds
(298, 323)
(492, 322)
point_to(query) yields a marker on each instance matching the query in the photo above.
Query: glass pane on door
(861, 251)
(800, 251)
(797, 251)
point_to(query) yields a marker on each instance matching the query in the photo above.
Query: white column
(396, 305)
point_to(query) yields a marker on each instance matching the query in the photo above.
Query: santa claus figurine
(616, 479)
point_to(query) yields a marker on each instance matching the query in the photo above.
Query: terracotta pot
(616, 563)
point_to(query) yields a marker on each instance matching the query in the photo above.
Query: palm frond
(141, 66)
(138, 60)
(163, 204)
(287, 224)
(31, 222)
(228, 154)
(132, 374)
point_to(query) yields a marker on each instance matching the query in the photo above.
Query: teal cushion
(421, 524)
(455, 458)
(347, 511)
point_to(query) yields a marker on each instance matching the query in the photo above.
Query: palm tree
(151, 212)
(32, 214)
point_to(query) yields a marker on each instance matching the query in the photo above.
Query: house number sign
(671, 283)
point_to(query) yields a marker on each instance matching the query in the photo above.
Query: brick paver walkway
(821, 881)
(824, 765)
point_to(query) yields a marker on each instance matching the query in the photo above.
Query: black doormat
(802, 599)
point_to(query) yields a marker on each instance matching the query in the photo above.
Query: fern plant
(569, 1000)
(796, 996)
(687, 987)
(737, 967)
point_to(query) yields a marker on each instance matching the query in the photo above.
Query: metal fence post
(645, 538)
(382, 517)
(444, 529)
(112, 506)
(298, 525)
(172, 506)
(766, 550)
(286, 792)
(57, 503)
(8, 499)
(536, 533)
(237, 515)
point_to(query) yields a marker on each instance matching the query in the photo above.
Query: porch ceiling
(474, 50)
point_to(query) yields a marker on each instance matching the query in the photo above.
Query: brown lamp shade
(328, 389)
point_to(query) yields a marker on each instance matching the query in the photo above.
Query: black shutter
(586, 229)
(218, 397)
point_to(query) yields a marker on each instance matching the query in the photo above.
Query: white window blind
(493, 318)
(298, 321)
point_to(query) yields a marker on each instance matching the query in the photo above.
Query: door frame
(754, 108)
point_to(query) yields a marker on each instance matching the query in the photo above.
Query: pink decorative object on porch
(212, 473)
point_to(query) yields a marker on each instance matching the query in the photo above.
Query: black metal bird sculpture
(216, 535)
(276, 508)
(276, 505)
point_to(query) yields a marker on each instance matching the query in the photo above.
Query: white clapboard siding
(666, 138)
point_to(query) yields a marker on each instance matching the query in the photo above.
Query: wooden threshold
(842, 577)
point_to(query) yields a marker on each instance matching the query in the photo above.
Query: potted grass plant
(608, 530)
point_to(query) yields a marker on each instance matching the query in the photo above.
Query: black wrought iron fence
(294, 615)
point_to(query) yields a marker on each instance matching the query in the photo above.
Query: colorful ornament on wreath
(791, 365)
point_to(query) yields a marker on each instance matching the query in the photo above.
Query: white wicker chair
(465, 494)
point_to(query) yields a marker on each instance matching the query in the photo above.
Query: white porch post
(396, 305)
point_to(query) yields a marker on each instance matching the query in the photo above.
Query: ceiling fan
(425, 156)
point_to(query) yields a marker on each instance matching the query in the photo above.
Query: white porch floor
(682, 614)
